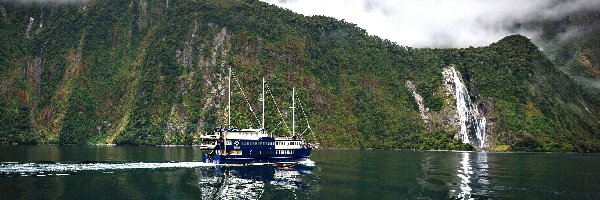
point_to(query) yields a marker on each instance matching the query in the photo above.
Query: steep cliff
(155, 72)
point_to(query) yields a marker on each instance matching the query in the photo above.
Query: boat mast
(229, 100)
(228, 112)
(293, 112)
(263, 106)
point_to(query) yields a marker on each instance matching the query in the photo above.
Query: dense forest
(155, 72)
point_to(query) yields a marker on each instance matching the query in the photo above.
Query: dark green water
(99, 172)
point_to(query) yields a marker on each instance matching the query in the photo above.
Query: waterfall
(29, 26)
(472, 125)
(419, 99)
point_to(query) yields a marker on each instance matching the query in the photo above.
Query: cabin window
(235, 152)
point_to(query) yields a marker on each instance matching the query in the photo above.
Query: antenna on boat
(293, 112)
(229, 99)
(263, 106)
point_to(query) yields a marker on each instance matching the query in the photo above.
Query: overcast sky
(440, 23)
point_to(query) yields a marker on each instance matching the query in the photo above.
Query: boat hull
(298, 156)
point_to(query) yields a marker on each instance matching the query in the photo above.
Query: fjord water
(114, 172)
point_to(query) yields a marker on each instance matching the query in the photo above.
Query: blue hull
(297, 156)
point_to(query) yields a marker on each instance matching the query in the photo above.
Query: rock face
(472, 123)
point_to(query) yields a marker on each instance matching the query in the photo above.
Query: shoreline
(322, 148)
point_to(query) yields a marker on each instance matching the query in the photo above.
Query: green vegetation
(147, 73)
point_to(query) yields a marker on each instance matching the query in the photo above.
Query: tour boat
(230, 145)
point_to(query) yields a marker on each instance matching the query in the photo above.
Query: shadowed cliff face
(154, 72)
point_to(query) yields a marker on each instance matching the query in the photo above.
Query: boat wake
(48, 168)
(307, 162)
(40, 169)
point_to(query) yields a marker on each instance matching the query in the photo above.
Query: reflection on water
(464, 172)
(251, 182)
(219, 183)
(66, 172)
(472, 172)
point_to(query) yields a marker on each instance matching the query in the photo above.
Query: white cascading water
(472, 125)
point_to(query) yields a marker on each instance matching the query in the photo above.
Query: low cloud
(442, 23)
(588, 82)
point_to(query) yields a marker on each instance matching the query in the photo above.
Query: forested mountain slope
(155, 72)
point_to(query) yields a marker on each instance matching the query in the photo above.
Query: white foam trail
(307, 162)
(22, 168)
(60, 167)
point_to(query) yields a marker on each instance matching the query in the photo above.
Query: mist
(588, 82)
(441, 23)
